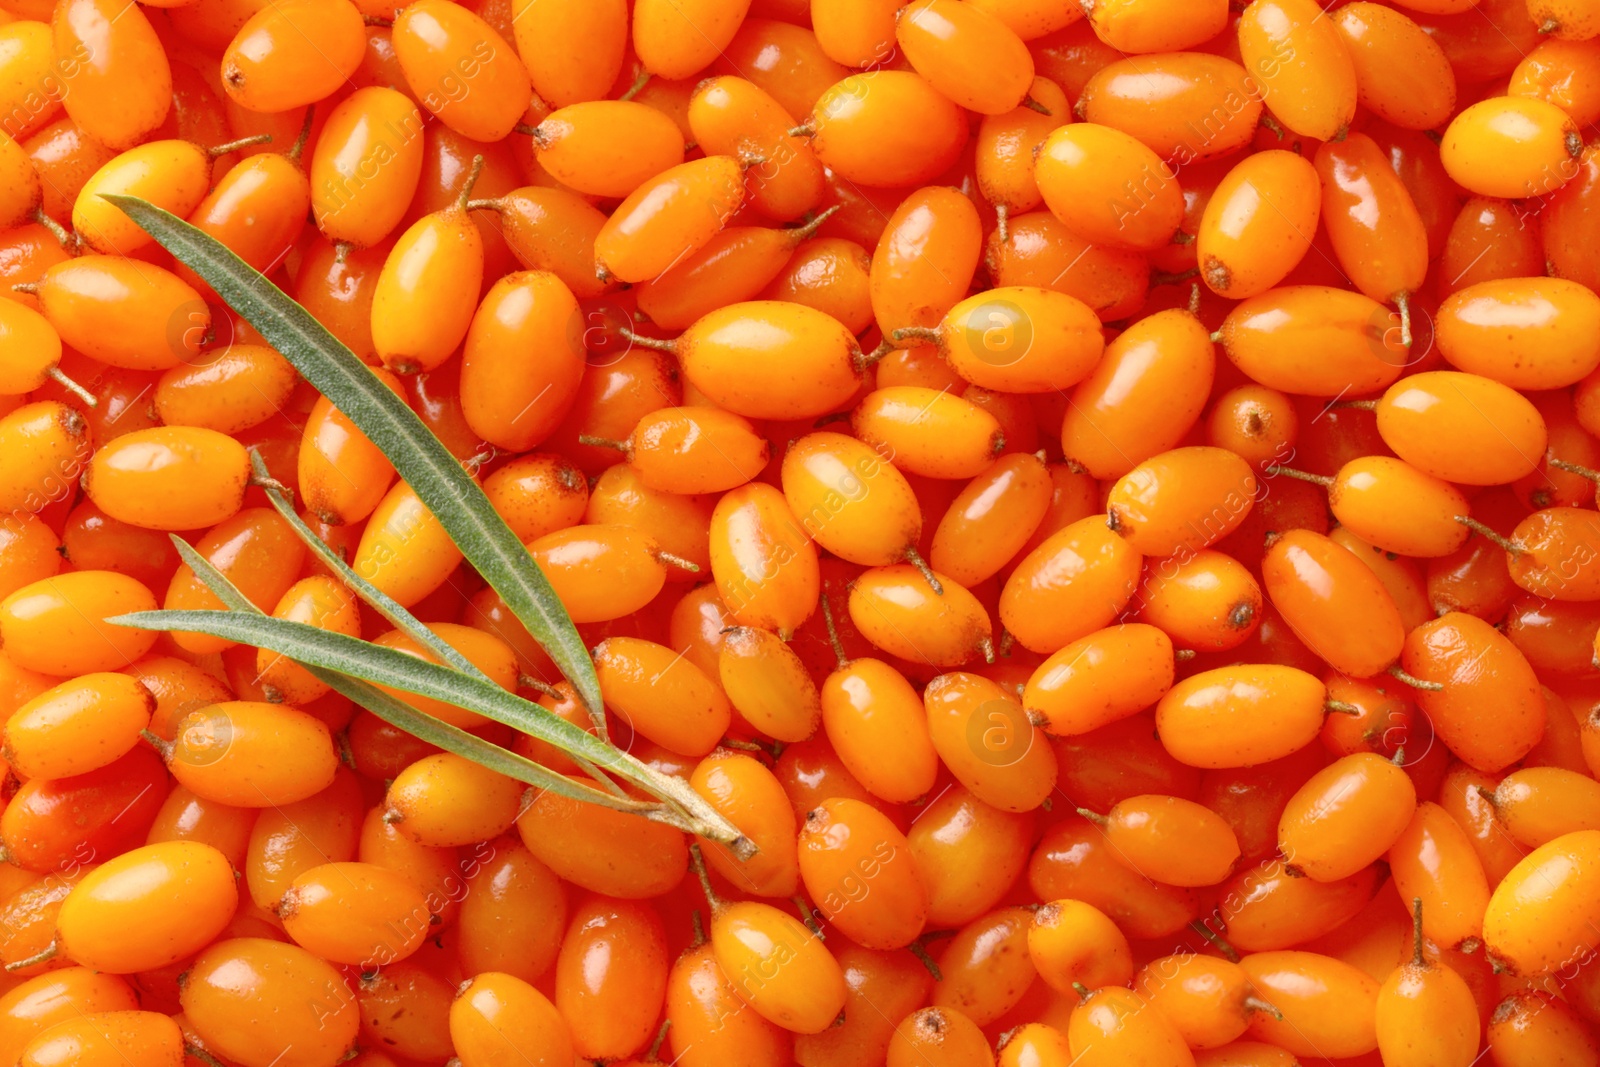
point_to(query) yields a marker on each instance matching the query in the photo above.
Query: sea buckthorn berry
(1181, 501)
(768, 684)
(169, 478)
(252, 755)
(1206, 601)
(602, 850)
(1324, 1004)
(1531, 1027)
(1268, 908)
(860, 872)
(1372, 222)
(23, 194)
(1314, 341)
(896, 609)
(670, 216)
(124, 312)
(513, 914)
(607, 148)
(405, 550)
(1488, 242)
(1153, 97)
(1143, 396)
(1040, 252)
(696, 450)
(600, 572)
(255, 550)
(985, 739)
(553, 230)
(1072, 943)
(226, 391)
(661, 694)
(1255, 422)
(186, 817)
(366, 166)
(1511, 147)
(1536, 917)
(108, 1038)
(537, 494)
(986, 967)
(1208, 1000)
(1333, 602)
(1536, 805)
(173, 175)
(1073, 860)
(943, 1037)
(1393, 506)
(1020, 339)
(1426, 1012)
(887, 128)
(47, 445)
(1075, 582)
(147, 908)
(766, 359)
(1220, 718)
(733, 117)
(110, 809)
(968, 854)
(1305, 61)
(1100, 679)
(258, 209)
(1551, 554)
(1006, 144)
(747, 794)
(868, 708)
(1488, 710)
(317, 601)
(925, 260)
(39, 1003)
(1402, 75)
(355, 913)
(1258, 223)
(29, 552)
(884, 987)
(855, 34)
(1526, 333)
(1142, 26)
(78, 726)
(423, 303)
(1433, 861)
(764, 564)
(679, 524)
(565, 76)
(58, 626)
(492, 657)
(1346, 816)
(461, 69)
(30, 350)
(991, 519)
(447, 800)
(1462, 428)
(1560, 72)
(258, 1002)
(927, 431)
(850, 500)
(1169, 839)
(611, 977)
(831, 275)
(675, 40)
(1112, 1027)
(966, 53)
(292, 53)
(1083, 171)
(709, 1023)
(342, 475)
(118, 83)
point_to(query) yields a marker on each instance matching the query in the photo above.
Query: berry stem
(1402, 300)
(472, 179)
(1340, 707)
(299, 146)
(919, 950)
(1002, 217)
(914, 558)
(1253, 1003)
(833, 631)
(1487, 534)
(1572, 468)
(1415, 682)
(648, 342)
(638, 84)
(625, 447)
(1417, 957)
(1094, 817)
(809, 230)
(56, 375)
(1275, 469)
(698, 863)
(57, 231)
(234, 146)
(677, 561)
(1033, 105)
(45, 955)
(1215, 940)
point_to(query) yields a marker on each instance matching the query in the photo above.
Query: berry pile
(1090, 509)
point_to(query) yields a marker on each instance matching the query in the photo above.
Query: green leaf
(405, 717)
(421, 459)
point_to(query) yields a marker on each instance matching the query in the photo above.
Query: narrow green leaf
(405, 717)
(421, 459)
(380, 601)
